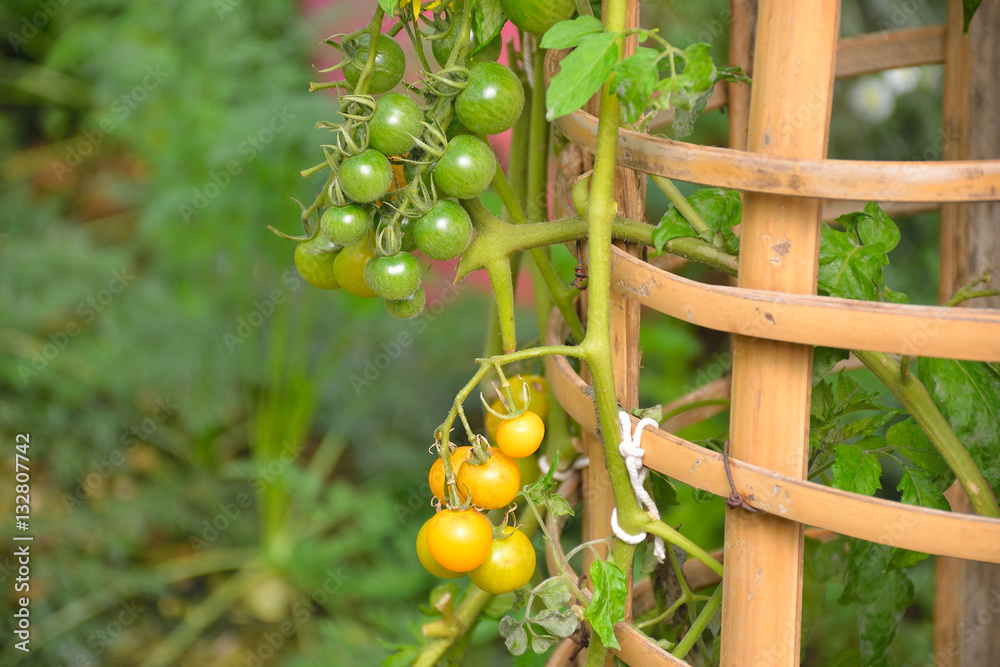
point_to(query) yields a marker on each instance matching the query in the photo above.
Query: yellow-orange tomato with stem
(459, 540)
(521, 436)
(509, 565)
(493, 484)
(436, 476)
(427, 560)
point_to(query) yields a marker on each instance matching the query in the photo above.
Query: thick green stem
(697, 223)
(538, 141)
(914, 397)
(503, 294)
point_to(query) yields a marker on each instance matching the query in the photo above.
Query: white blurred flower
(902, 80)
(871, 99)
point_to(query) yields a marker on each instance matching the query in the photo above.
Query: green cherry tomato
(349, 267)
(444, 232)
(394, 277)
(508, 566)
(395, 123)
(537, 16)
(345, 225)
(316, 266)
(466, 168)
(427, 560)
(492, 101)
(479, 53)
(390, 63)
(366, 176)
(407, 309)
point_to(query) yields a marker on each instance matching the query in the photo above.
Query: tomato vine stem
(913, 395)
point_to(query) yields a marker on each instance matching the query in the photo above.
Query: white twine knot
(631, 449)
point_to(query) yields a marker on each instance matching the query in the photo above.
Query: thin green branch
(698, 627)
(914, 397)
(684, 207)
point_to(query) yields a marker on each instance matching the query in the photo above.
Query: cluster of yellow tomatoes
(458, 541)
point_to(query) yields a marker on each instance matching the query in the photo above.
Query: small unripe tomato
(509, 565)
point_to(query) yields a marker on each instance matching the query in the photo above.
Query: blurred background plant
(222, 456)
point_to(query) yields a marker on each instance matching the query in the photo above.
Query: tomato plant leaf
(559, 623)
(874, 226)
(543, 493)
(720, 209)
(554, 593)
(848, 269)
(857, 467)
(514, 634)
(490, 20)
(881, 596)
(664, 492)
(567, 34)
(388, 6)
(607, 606)
(733, 75)
(824, 359)
(867, 425)
(908, 439)
(671, 227)
(688, 90)
(635, 79)
(968, 395)
(582, 74)
(917, 488)
(542, 643)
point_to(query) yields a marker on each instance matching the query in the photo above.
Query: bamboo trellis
(778, 139)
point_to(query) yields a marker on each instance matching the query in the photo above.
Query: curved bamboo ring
(928, 331)
(930, 531)
(937, 181)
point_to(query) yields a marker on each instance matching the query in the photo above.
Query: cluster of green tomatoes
(399, 168)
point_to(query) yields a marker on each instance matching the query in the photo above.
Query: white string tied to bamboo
(631, 449)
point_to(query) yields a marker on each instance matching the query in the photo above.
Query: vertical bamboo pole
(743, 23)
(968, 593)
(789, 116)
